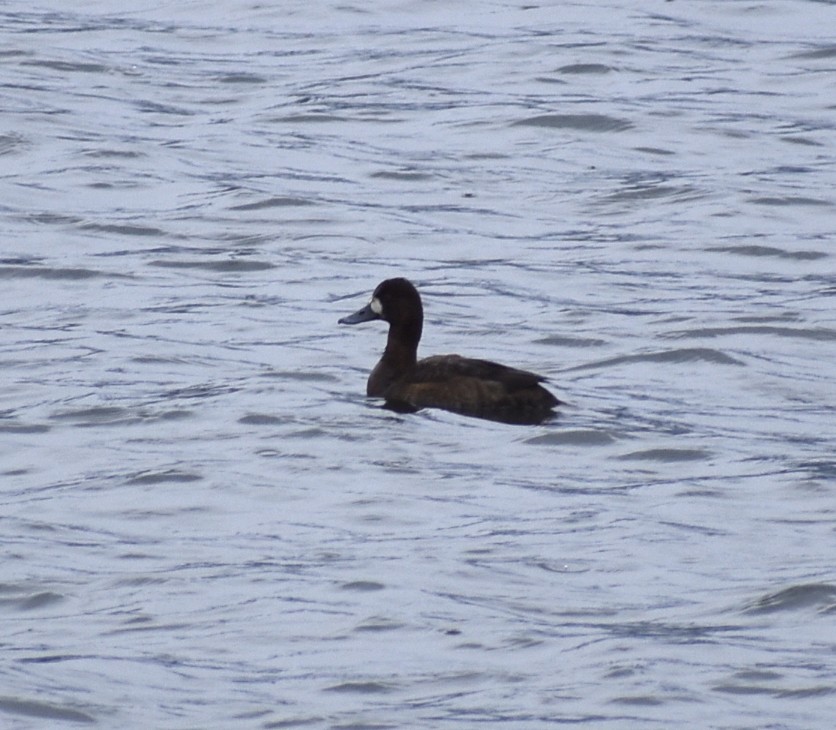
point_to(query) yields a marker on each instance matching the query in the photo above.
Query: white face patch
(376, 306)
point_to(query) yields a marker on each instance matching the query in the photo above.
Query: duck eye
(376, 306)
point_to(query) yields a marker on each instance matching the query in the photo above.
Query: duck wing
(473, 387)
(447, 367)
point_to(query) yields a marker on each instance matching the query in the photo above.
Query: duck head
(395, 301)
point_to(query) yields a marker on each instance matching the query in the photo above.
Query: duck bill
(366, 314)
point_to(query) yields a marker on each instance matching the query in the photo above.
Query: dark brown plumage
(467, 386)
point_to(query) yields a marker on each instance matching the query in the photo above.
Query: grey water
(205, 523)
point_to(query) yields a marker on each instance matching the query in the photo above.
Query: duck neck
(402, 343)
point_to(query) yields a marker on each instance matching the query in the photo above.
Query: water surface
(207, 524)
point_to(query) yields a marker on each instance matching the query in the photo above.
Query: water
(206, 524)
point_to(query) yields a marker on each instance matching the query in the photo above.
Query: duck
(463, 385)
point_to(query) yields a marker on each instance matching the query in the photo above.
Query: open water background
(204, 523)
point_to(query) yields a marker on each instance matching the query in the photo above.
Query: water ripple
(580, 122)
(818, 596)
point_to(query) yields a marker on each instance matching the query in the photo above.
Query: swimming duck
(467, 386)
